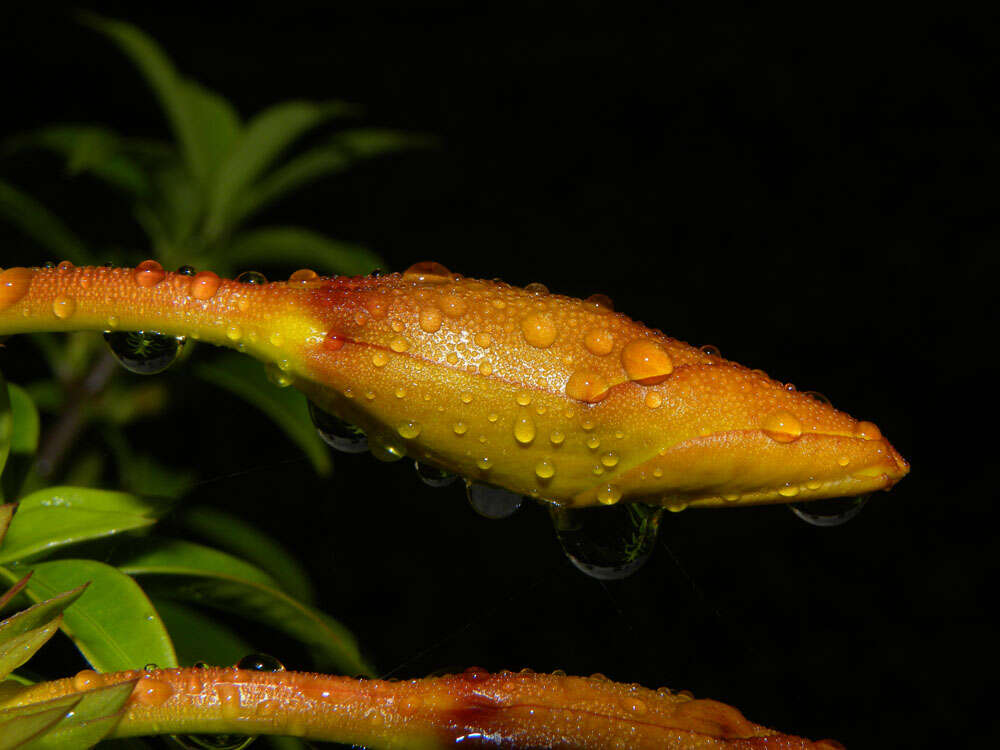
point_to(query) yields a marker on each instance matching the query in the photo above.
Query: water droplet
(337, 433)
(867, 430)
(148, 274)
(789, 491)
(833, 512)
(600, 303)
(87, 679)
(260, 663)
(536, 289)
(144, 352)
(484, 463)
(598, 341)
(428, 271)
(607, 543)
(523, 398)
(646, 362)
(524, 430)
(711, 351)
(782, 426)
(653, 400)
(429, 319)
(275, 376)
(378, 306)
(379, 359)
(817, 396)
(63, 307)
(593, 442)
(204, 285)
(609, 494)
(482, 339)
(234, 333)
(610, 459)
(186, 271)
(843, 461)
(587, 386)
(399, 344)
(14, 283)
(149, 691)
(453, 306)
(254, 278)
(545, 469)
(486, 367)
(409, 429)
(538, 330)
(493, 416)
(333, 342)
(466, 398)
(303, 275)
(65, 265)
(492, 502)
(433, 476)
(386, 452)
(556, 437)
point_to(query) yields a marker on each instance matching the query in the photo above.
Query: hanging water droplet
(212, 741)
(832, 512)
(256, 278)
(260, 663)
(337, 433)
(144, 352)
(433, 476)
(492, 502)
(386, 452)
(607, 543)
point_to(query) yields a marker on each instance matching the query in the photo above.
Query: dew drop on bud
(337, 433)
(433, 476)
(144, 352)
(607, 543)
(254, 278)
(260, 663)
(827, 513)
(492, 502)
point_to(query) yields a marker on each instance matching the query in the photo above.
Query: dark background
(815, 195)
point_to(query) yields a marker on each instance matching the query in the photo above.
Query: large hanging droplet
(492, 502)
(607, 543)
(832, 512)
(433, 476)
(144, 352)
(212, 741)
(337, 433)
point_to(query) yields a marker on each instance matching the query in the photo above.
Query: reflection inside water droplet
(832, 512)
(607, 543)
(337, 433)
(144, 352)
(492, 502)
(433, 476)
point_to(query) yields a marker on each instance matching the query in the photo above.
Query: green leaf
(235, 535)
(297, 245)
(178, 572)
(198, 637)
(24, 633)
(6, 513)
(115, 626)
(19, 649)
(341, 152)
(164, 556)
(6, 426)
(41, 225)
(142, 474)
(18, 726)
(245, 378)
(24, 439)
(265, 137)
(94, 149)
(93, 717)
(200, 119)
(58, 516)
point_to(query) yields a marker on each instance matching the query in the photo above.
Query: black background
(814, 194)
